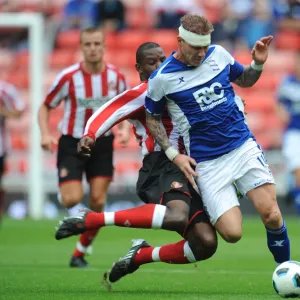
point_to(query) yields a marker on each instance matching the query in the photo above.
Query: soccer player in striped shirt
(170, 202)
(84, 87)
(11, 106)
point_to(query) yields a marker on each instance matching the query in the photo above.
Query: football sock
(279, 243)
(178, 253)
(85, 240)
(145, 216)
(296, 197)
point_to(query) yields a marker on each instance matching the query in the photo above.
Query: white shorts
(245, 165)
(290, 149)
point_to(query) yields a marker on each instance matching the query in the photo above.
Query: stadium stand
(260, 100)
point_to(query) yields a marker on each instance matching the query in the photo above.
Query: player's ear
(138, 67)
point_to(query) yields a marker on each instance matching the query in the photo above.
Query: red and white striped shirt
(9, 100)
(83, 94)
(130, 106)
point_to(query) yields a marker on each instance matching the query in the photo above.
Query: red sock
(85, 240)
(178, 253)
(145, 216)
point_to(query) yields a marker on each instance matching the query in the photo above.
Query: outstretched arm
(253, 71)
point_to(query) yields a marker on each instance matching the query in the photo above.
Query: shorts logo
(176, 185)
(63, 173)
(127, 223)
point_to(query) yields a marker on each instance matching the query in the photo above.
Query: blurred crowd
(237, 23)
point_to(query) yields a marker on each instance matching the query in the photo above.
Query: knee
(206, 250)
(69, 200)
(232, 236)
(204, 246)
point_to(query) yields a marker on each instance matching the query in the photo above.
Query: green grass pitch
(33, 265)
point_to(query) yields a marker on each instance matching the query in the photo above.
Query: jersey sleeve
(236, 69)
(116, 110)
(58, 91)
(155, 101)
(12, 100)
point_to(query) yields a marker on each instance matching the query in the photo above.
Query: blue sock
(296, 197)
(279, 243)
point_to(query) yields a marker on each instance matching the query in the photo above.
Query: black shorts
(161, 181)
(71, 166)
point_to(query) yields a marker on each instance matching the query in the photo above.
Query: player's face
(152, 58)
(92, 46)
(192, 55)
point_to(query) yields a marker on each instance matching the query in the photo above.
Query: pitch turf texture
(33, 265)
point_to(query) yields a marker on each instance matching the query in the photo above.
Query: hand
(123, 136)
(85, 145)
(48, 143)
(184, 163)
(261, 49)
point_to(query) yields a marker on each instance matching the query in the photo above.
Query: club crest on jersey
(63, 173)
(176, 185)
(209, 97)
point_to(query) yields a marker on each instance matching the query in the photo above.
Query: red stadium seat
(19, 79)
(243, 57)
(111, 41)
(165, 38)
(287, 40)
(22, 59)
(132, 39)
(260, 101)
(61, 58)
(268, 81)
(68, 39)
(121, 59)
(282, 61)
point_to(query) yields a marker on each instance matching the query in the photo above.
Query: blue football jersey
(289, 97)
(201, 101)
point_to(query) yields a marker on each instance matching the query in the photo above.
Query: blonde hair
(196, 24)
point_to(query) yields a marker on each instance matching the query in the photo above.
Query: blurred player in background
(289, 112)
(11, 106)
(170, 202)
(195, 84)
(84, 87)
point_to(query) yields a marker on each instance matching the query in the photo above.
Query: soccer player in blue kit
(195, 85)
(289, 111)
